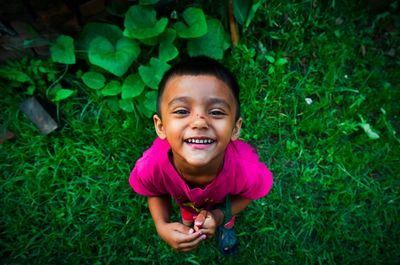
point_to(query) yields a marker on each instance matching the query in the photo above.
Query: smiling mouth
(199, 141)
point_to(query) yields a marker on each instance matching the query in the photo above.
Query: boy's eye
(217, 113)
(181, 112)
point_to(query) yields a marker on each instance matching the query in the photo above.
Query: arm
(215, 217)
(177, 235)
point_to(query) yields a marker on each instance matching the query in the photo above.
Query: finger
(210, 233)
(181, 228)
(188, 246)
(201, 217)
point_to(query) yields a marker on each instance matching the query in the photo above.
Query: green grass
(65, 197)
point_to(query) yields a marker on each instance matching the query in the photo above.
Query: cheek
(224, 128)
(173, 127)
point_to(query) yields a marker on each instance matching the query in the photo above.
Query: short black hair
(201, 65)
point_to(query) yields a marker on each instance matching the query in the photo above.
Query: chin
(198, 163)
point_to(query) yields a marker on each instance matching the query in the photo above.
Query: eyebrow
(178, 100)
(219, 101)
(211, 101)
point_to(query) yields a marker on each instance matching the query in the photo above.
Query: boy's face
(198, 120)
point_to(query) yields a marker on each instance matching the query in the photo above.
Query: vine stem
(58, 79)
(232, 25)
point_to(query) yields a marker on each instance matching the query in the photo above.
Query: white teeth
(200, 141)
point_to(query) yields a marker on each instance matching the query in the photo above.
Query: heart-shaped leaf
(94, 30)
(113, 103)
(195, 26)
(57, 93)
(62, 51)
(147, 103)
(167, 50)
(126, 105)
(168, 36)
(115, 59)
(151, 101)
(150, 41)
(213, 44)
(93, 80)
(141, 23)
(132, 87)
(151, 75)
(112, 89)
(63, 94)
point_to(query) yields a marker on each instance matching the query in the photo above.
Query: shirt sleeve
(258, 182)
(254, 179)
(146, 177)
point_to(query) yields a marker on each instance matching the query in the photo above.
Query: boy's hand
(180, 237)
(207, 222)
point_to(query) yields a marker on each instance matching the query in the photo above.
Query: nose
(199, 121)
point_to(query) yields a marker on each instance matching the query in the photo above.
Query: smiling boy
(197, 158)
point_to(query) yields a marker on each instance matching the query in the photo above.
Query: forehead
(199, 87)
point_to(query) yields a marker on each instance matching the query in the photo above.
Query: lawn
(320, 98)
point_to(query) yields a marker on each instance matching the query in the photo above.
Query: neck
(199, 176)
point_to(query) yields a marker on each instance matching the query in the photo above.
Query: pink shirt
(242, 174)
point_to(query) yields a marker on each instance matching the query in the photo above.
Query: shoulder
(153, 159)
(240, 148)
(252, 176)
(146, 177)
(157, 153)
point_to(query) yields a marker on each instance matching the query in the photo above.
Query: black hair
(201, 65)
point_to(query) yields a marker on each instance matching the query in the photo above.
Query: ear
(236, 129)
(158, 126)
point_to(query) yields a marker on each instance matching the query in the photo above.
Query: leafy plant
(126, 62)
(36, 76)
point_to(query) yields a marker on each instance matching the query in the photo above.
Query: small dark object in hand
(38, 115)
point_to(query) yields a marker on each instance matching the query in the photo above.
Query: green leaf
(147, 103)
(281, 61)
(195, 24)
(93, 80)
(151, 101)
(30, 89)
(252, 12)
(148, 2)
(271, 70)
(270, 58)
(126, 105)
(213, 44)
(115, 59)
(241, 10)
(94, 30)
(62, 51)
(141, 23)
(61, 94)
(14, 75)
(113, 103)
(132, 87)
(168, 36)
(113, 88)
(167, 50)
(150, 41)
(151, 75)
